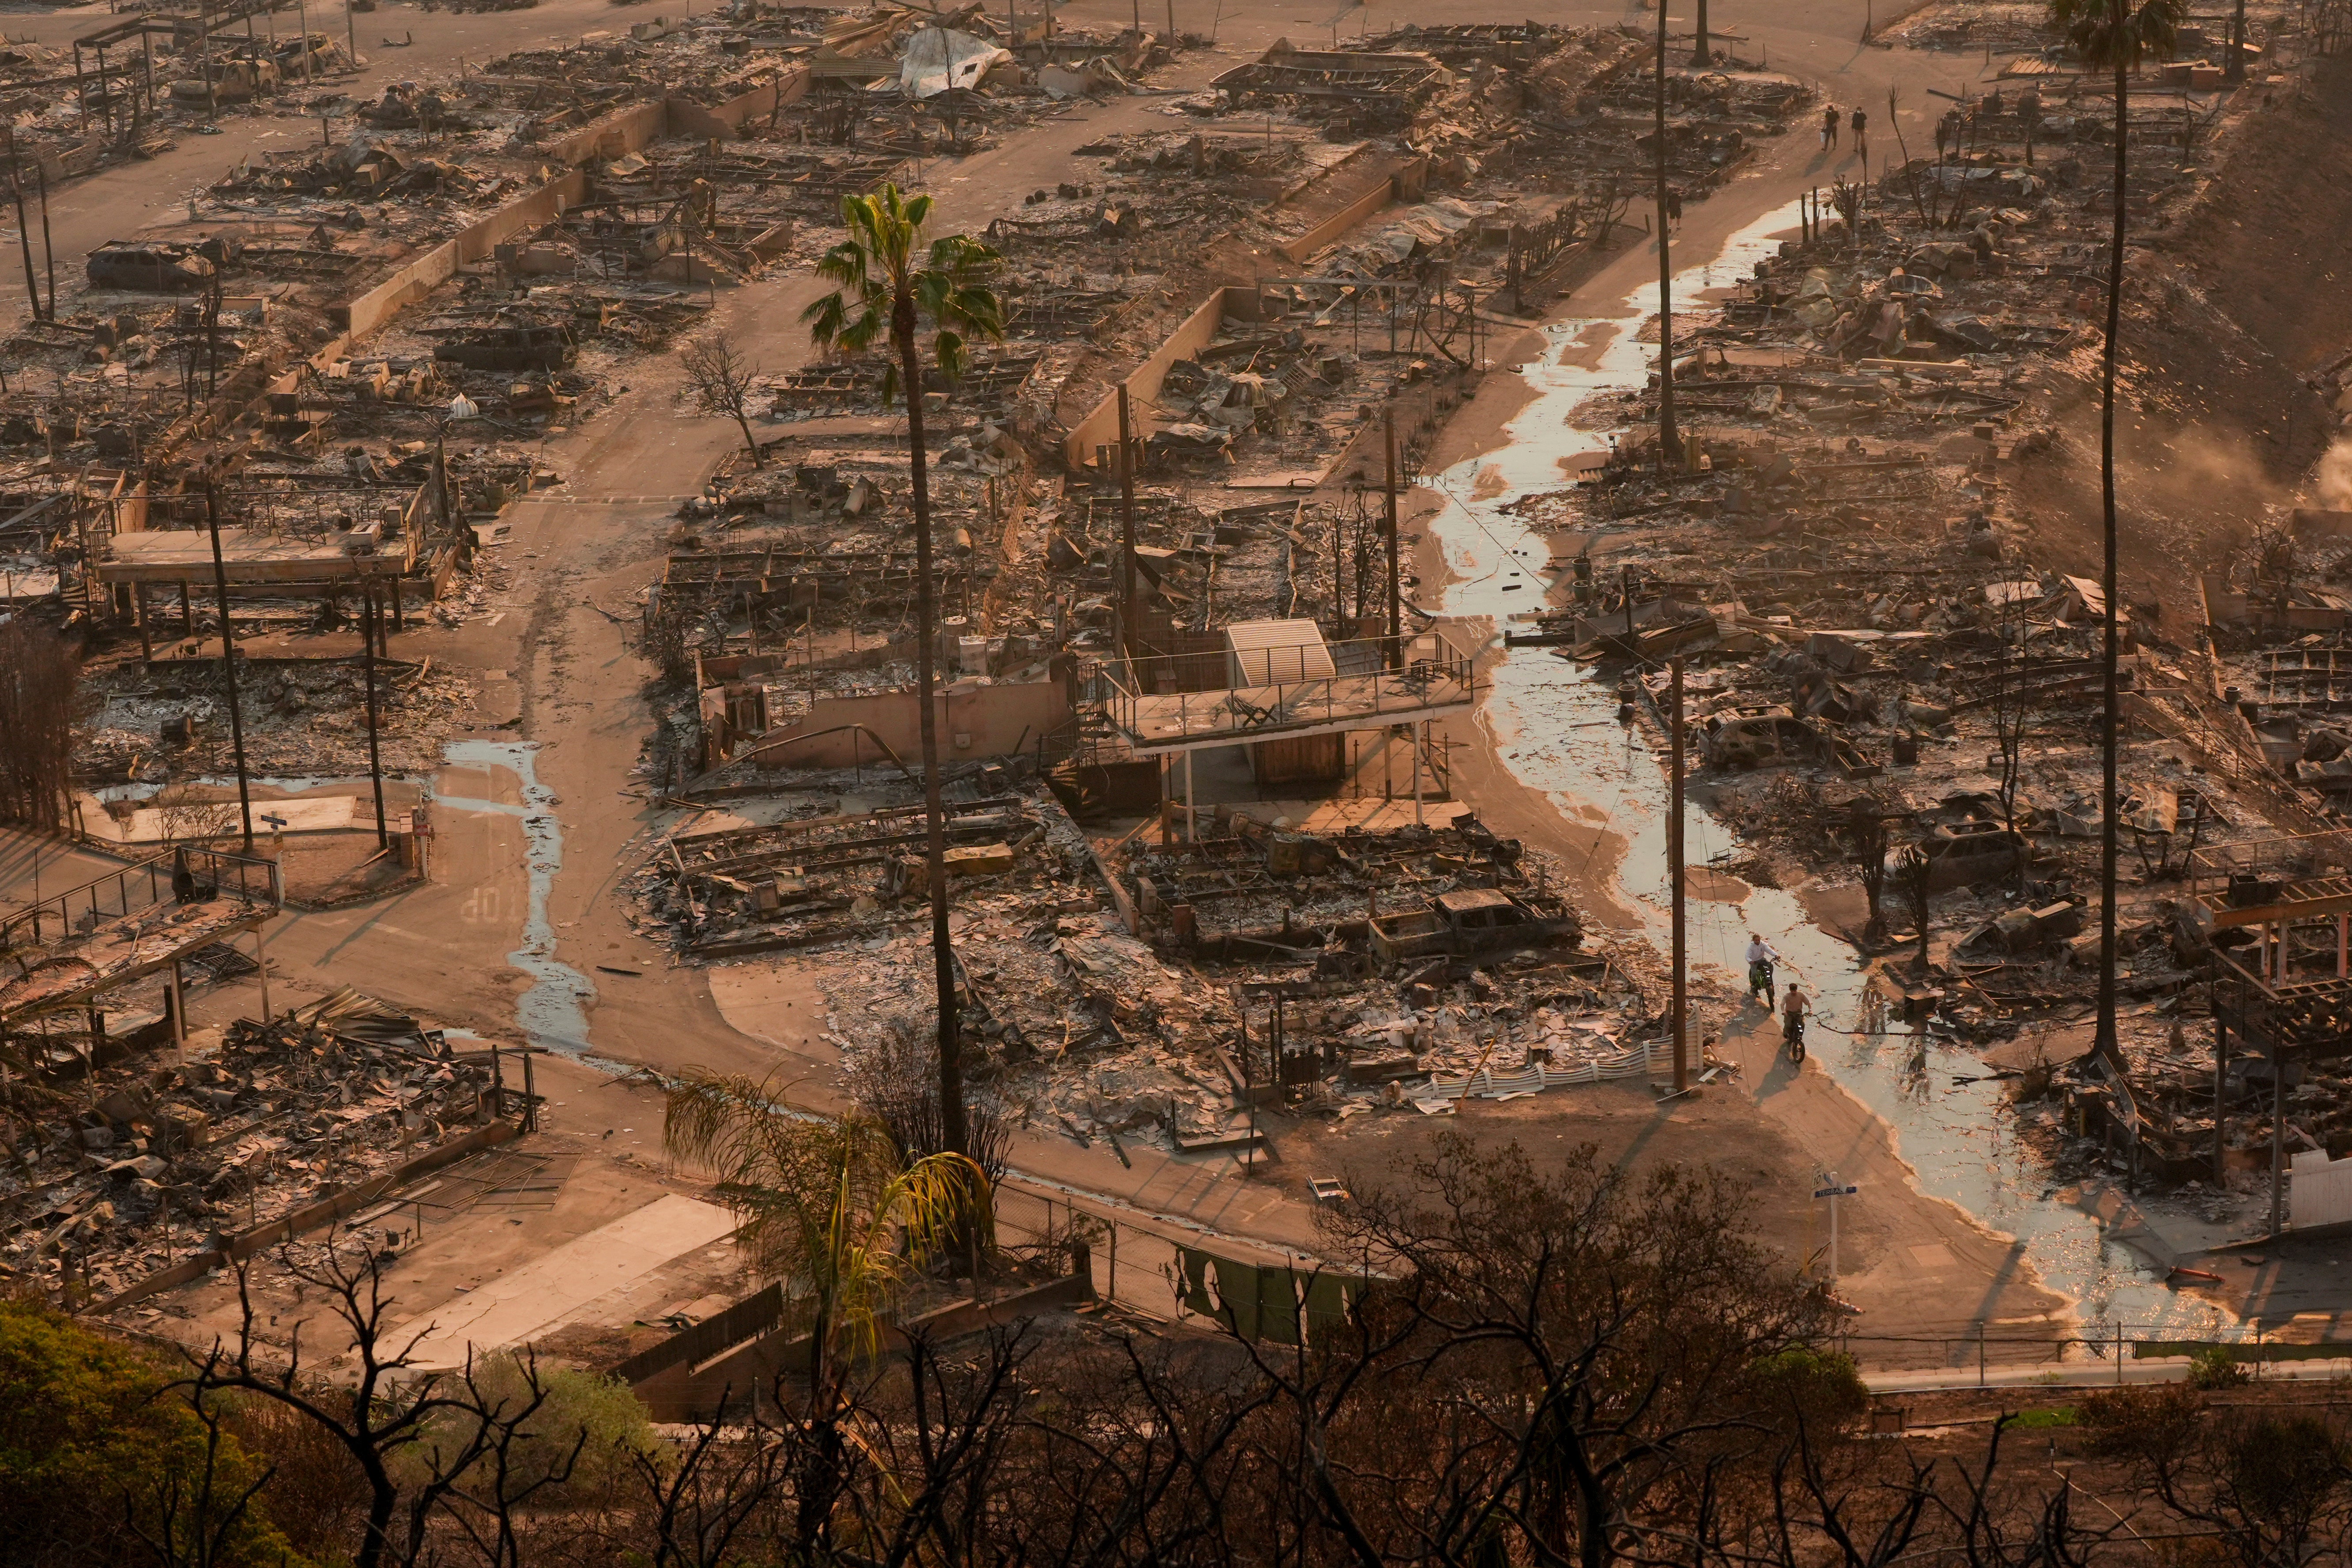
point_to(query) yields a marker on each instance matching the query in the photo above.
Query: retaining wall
(1404, 184)
(367, 312)
(1101, 427)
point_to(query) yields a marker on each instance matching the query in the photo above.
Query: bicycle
(1793, 1031)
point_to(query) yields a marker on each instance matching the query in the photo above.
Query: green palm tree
(2114, 35)
(891, 284)
(829, 1204)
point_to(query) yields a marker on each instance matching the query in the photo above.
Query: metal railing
(2286, 858)
(1278, 689)
(187, 873)
(2096, 1352)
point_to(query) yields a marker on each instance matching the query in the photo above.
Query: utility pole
(1130, 608)
(368, 627)
(228, 668)
(24, 234)
(352, 36)
(1396, 595)
(2278, 1134)
(205, 52)
(49, 251)
(212, 329)
(1669, 443)
(1702, 55)
(1681, 1005)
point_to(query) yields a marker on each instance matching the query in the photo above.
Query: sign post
(1833, 1191)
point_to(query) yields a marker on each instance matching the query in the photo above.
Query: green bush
(616, 1422)
(2039, 1420)
(2215, 1367)
(98, 1447)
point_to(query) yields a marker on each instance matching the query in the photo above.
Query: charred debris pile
(1898, 706)
(1255, 967)
(121, 1166)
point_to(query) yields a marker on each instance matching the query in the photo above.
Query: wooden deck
(1185, 720)
(124, 949)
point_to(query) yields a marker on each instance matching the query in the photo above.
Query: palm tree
(891, 283)
(2116, 35)
(829, 1204)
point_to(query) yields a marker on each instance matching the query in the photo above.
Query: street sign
(272, 821)
(1834, 1191)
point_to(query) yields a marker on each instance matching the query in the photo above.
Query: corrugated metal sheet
(1269, 653)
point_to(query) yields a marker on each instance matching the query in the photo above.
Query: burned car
(1767, 738)
(1475, 921)
(158, 267)
(1962, 854)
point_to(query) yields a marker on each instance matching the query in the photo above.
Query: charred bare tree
(1563, 1364)
(1915, 873)
(382, 1411)
(1598, 1332)
(2266, 1487)
(721, 380)
(719, 1484)
(1866, 840)
(892, 1079)
(2010, 700)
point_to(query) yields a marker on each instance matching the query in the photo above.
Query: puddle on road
(1554, 727)
(554, 1012)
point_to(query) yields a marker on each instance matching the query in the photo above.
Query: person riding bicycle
(1761, 955)
(1793, 1008)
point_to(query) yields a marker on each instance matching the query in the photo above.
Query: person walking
(1829, 127)
(1793, 1008)
(1862, 138)
(1673, 207)
(1761, 955)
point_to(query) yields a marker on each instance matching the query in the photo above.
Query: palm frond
(878, 271)
(826, 1203)
(2111, 34)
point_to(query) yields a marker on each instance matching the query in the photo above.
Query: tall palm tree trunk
(2104, 1039)
(935, 833)
(1669, 457)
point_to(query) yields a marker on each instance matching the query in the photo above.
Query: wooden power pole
(370, 624)
(229, 668)
(1677, 896)
(1396, 591)
(1130, 608)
